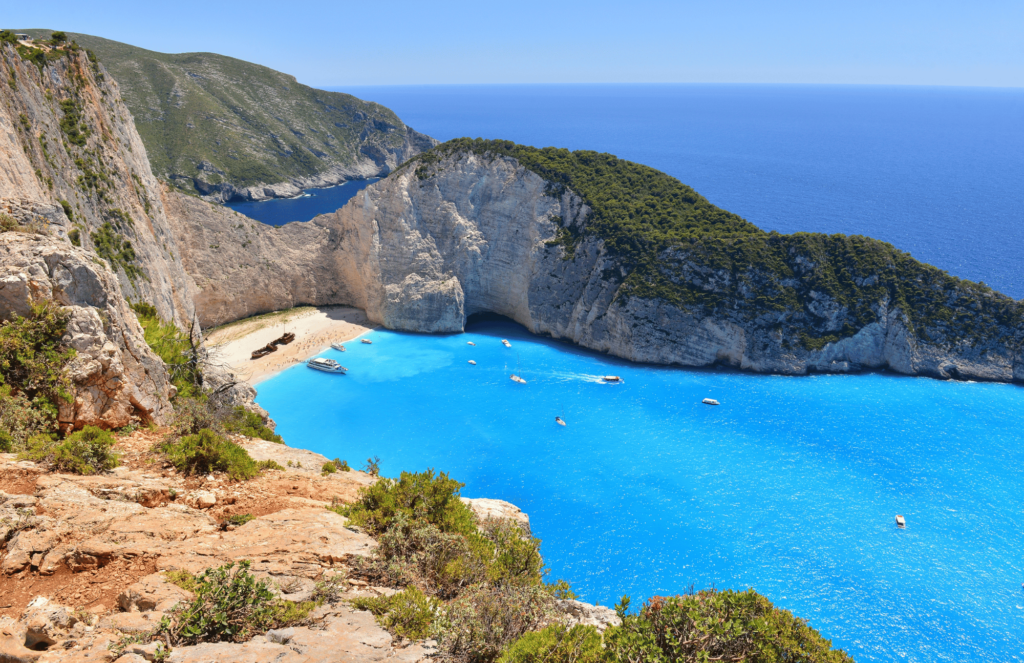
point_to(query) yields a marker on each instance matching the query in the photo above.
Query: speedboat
(710, 401)
(612, 378)
(472, 362)
(326, 365)
(338, 346)
(470, 343)
(366, 340)
(559, 421)
(516, 378)
(506, 343)
(901, 522)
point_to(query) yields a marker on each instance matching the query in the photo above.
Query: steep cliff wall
(469, 232)
(68, 142)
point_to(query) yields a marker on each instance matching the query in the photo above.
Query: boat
(559, 421)
(264, 351)
(472, 362)
(338, 346)
(516, 378)
(470, 343)
(612, 378)
(285, 339)
(710, 401)
(506, 343)
(901, 522)
(326, 365)
(366, 340)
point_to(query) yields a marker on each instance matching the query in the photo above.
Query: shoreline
(315, 328)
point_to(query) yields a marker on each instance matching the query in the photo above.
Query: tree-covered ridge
(674, 245)
(215, 119)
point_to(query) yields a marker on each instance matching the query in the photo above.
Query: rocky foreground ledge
(85, 557)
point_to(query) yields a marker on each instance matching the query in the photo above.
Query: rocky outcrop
(486, 508)
(73, 158)
(117, 378)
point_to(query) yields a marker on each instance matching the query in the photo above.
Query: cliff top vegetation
(207, 116)
(673, 244)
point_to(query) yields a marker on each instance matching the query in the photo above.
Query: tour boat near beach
(338, 346)
(710, 401)
(472, 362)
(901, 522)
(366, 340)
(612, 378)
(506, 343)
(470, 343)
(326, 365)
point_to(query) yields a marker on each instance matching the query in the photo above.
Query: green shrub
(72, 124)
(207, 452)
(243, 422)
(409, 613)
(712, 625)
(87, 451)
(110, 245)
(420, 497)
(328, 468)
(556, 644)
(20, 419)
(268, 465)
(231, 605)
(341, 465)
(176, 350)
(182, 578)
(8, 223)
(239, 519)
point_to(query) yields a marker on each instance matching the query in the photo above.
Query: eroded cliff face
(117, 378)
(69, 145)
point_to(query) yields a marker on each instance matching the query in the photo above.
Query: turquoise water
(790, 486)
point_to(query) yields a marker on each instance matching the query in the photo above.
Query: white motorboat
(366, 340)
(326, 365)
(470, 343)
(710, 401)
(338, 346)
(901, 522)
(516, 378)
(559, 421)
(472, 362)
(612, 378)
(506, 343)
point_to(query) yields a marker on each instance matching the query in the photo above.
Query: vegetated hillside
(671, 244)
(209, 121)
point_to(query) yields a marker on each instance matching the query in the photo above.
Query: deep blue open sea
(279, 211)
(792, 484)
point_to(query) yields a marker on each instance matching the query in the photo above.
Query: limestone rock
(46, 623)
(578, 612)
(152, 592)
(484, 508)
(204, 499)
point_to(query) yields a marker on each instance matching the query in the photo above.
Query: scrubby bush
(231, 605)
(423, 497)
(328, 468)
(33, 356)
(409, 613)
(206, 452)
(268, 465)
(20, 419)
(88, 451)
(192, 415)
(238, 519)
(243, 422)
(173, 346)
(341, 465)
(557, 644)
(712, 625)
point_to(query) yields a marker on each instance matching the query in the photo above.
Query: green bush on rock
(557, 644)
(87, 451)
(409, 613)
(206, 452)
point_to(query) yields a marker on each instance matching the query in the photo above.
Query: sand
(315, 328)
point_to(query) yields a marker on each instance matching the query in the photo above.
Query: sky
(911, 42)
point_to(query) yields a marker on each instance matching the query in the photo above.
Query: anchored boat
(472, 362)
(710, 401)
(338, 346)
(506, 343)
(901, 522)
(470, 343)
(326, 365)
(516, 378)
(612, 378)
(366, 340)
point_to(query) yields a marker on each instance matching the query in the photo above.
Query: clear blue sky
(527, 41)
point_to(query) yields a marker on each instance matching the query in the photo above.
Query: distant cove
(279, 211)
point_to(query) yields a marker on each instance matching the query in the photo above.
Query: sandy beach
(315, 328)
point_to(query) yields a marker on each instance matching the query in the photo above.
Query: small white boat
(710, 401)
(901, 522)
(338, 346)
(470, 343)
(326, 365)
(472, 362)
(559, 421)
(366, 340)
(506, 343)
(516, 378)
(612, 378)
